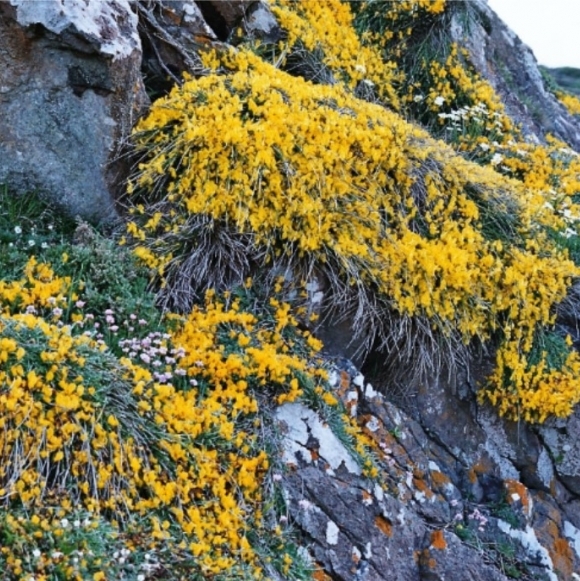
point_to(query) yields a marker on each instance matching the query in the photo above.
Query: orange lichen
(558, 547)
(384, 525)
(515, 487)
(321, 575)
(482, 467)
(439, 479)
(425, 559)
(438, 540)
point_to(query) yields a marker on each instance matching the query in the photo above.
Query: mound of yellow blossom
(167, 434)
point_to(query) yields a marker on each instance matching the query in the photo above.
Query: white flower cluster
(464, 118)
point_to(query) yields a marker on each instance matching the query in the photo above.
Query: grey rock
(510, 66)
(70, 93)
(444, 557)
(561, 439)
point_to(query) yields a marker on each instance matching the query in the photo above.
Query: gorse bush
(571, 102)
(303, 173)
(135, 443)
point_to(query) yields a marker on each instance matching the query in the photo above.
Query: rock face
(460, 494)
(70, 92)
(511, 67)
(72, 88)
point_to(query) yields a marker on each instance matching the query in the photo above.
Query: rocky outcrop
(70, 92)
(460, 494)
(500, 56)
(72, 86)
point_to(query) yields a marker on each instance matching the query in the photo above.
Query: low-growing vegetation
(138, 372)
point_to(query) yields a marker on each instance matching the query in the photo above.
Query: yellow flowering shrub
(571, 102)
(166, 433)
(324, 31)
(309, 171)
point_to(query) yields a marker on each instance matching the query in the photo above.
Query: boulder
(70, 93)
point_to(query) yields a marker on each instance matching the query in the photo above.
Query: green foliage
(28, 227)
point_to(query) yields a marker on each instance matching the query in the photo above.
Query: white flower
(496, 159)
(76, 524)
(31, 243)
(17, 229)
(439, 101)
(140, 577)
(484, 146)
(360, 69)
(418, 98)
(36, 553)
(64, 522)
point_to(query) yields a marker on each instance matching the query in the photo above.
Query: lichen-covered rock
(501, 57)
(561, 440)
(71, 90)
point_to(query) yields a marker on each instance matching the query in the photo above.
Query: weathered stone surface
(561, 440)
(70, 92)
(511, 67)
(445, 557)
(259, 22)
(173, 33)
(355, 530)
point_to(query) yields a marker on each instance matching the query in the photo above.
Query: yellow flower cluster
(311, 170)
(391, 25)
(533, 392)
(56, 544)
(78, 427)
(40, 290)
(327, 27)
(571, 102)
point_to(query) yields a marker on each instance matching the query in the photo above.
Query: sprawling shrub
(297, 173)
(159, 433)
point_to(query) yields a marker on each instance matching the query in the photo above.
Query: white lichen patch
(334, 378)
(527, 539)
(573, 536)
(105, 25)
(371, 394)
(331, 533)
(302, 423)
